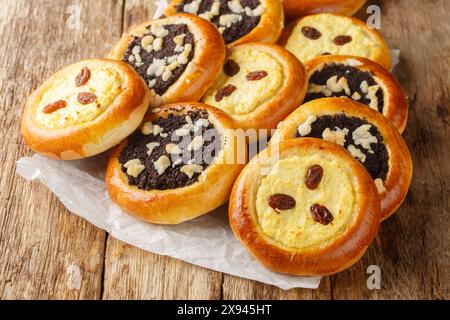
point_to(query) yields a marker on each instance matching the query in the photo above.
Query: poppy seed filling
(360, 137)
(339, 80)
(233, 18)
(161, 55)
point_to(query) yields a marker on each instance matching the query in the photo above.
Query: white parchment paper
(206, 241)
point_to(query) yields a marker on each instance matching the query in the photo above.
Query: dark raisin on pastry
(231, 68)
(224, 92)
(311, 32)
(52, 107)
(321, 214)
(342, 39)
(280, 202)
(313, 176)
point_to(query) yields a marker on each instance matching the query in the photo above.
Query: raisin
(341, 40)
(83, 77)
(256, 75)
(326, 54)
(231, 68)
(224, 92)
(86, 97)
(52, 107)
(311, 33)
(314, 176)
(281, 201)
(321, 214)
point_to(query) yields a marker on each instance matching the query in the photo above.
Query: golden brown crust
(400, 163)
(288, 97)
(295, 8)
(395, 102)
(337, 254)
(200, 72)
(268, 29)
(174, 206)
(381, 55)
(120, 118)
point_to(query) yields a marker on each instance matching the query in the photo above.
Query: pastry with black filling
(178, 57)
(359, 79)
(332, 34)
(239, 21)
(363, 132)
(260, 85)
(305, 207)
(180, 164)
(297, 8)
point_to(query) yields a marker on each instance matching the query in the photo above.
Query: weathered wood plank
(45, 252)
(131, 273)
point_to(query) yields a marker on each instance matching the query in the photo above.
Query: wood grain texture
(132, 273)
(46, 252)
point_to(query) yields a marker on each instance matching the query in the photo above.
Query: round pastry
(239, 21)
(361, 80)
(327, 33)
(84, 109)
(180, 164)
(366, 134)
(178, 57)
(260, 85)
(305, 207)
(296, 8)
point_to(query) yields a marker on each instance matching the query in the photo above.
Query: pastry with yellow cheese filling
(178, 57)
(359, 79)
(327, 33)
(296, 8)
(368, 137)
(84, 109)
(238, 21)
(181, 163)
(305, 207)
(259, 85)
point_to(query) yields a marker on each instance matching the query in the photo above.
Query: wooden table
(45, 250)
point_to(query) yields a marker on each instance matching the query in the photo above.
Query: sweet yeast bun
(302, 223)
(179, 165)
(178, 56)
(84, 109)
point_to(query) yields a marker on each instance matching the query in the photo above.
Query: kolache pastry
(306, 208)
(84, 109)
(359, 79)
(297, 8)
(259, 85)
(332, 34)
(178, 57)
(368, 137)
(177, 165)
(239, 21)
